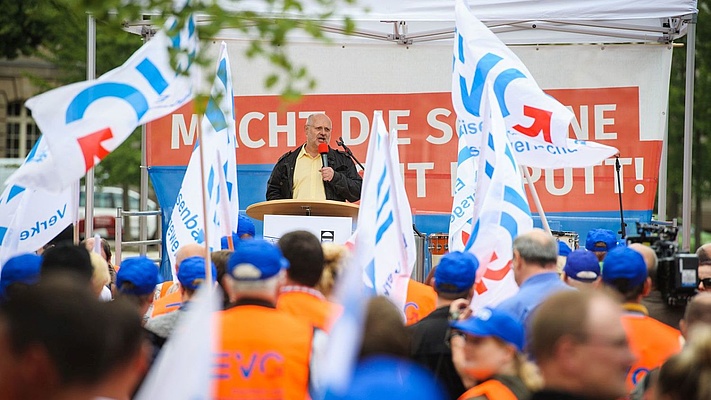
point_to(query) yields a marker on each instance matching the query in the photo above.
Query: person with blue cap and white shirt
(581, 270)
(136, 280)
(262, 352)
(488, 349)
(453, 280)
(191, 275)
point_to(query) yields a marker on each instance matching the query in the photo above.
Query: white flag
(536, 123)
(576, 154)
(501, 211)
(384, 241)
(187, 222)
(85, 121)
(183, 369)
(30, 218)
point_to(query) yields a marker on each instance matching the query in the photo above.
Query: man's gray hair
(535, 251)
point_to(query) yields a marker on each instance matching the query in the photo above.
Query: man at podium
(314, 171)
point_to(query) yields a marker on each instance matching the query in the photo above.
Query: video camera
(677, 273)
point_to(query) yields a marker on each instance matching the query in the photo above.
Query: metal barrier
(419, 273)
(143, 243)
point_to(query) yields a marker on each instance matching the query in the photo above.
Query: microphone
(323, 150)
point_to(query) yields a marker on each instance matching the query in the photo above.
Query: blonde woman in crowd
(334, 257)
(687, 375)
(487, 351)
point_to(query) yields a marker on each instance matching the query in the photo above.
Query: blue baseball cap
(456, 272)
(563, 249)
(496, 323)
(601, 240)
(624, 263)
(245, 226)
(141, 273)
(255, 260)
(192, 272)
(582, 265)
(22, 268)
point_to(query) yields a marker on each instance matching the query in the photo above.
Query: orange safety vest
(263, 353)
(306, 304)
(420, 302)
(165, 289)
(651, 341)
(492, 389)
(168, 303)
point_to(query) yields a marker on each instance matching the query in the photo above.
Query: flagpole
(90, 75)
(537, 200)
(208, 261)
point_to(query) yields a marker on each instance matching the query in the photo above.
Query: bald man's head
(189, 250)
(650, 259)
(698, 312)
(537, 247)
(704, 253)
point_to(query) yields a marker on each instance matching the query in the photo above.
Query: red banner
(267, 128)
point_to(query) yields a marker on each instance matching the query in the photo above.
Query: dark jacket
(430, 350)
(345, 185)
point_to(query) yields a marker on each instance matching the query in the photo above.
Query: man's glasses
(706, 282)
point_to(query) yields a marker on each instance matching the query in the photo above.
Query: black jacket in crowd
(345, 185)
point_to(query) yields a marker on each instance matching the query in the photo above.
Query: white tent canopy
(514, 21)
(529, 22)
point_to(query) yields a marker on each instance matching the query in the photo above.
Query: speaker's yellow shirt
(308, 183)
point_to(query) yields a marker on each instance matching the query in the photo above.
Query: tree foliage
(268, 30)
(22, 27)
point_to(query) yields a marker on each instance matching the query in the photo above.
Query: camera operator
(655, 303)
(704, 254)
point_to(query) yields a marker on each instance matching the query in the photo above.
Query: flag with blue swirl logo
(218, 141)
(501, 210)
(537, 124)
(85, 121)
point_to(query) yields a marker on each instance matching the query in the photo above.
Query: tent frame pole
(688, 135)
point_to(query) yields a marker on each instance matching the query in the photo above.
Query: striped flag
(384, 243)
(187, 222)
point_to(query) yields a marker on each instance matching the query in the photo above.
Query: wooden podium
(328, 220)
(319, 208)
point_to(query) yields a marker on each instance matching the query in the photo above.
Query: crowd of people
(74, 325)
(587, 323)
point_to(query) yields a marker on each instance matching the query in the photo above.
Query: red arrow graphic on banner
(541, 122)
(493, 274)
(91, 146)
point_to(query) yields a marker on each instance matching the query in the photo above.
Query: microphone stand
(349, 152)
(623, 232)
